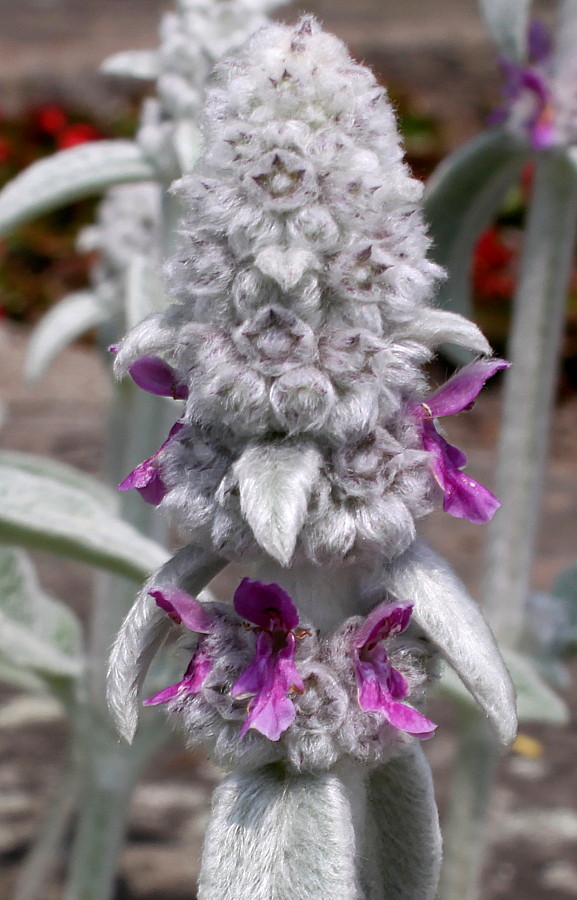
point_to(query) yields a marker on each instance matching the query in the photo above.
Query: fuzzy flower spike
(301, 315)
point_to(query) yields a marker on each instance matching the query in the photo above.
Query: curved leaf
(188, 143)
(462, 196)
(61, 325)
(507, 21)
(536, 701)
(406, 847)
(48, 513)
(37, 634)
(64, 474)
(452, 620)
(275, 482)
(72, 175)
(145, 629)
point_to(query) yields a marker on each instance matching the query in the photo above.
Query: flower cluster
(301, 313)
(257, 672)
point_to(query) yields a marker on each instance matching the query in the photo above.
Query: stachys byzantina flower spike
(301, 314)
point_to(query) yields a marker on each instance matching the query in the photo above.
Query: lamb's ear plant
(535, 124)
(306, 449)
(52, 507)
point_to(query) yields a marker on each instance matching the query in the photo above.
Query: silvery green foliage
(301, 312)
(329, 727)
(128, 227)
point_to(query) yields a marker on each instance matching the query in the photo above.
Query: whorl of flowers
(262, 686)
(301, 316)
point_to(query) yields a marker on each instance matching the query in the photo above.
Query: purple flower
(182, 608)
(380, 686)
(272, 676)
(152, 374)
(147, 477)
(463, 497)
(526, 90)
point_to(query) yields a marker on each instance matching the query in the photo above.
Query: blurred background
(440, 69)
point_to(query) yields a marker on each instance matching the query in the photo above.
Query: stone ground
(436, 51)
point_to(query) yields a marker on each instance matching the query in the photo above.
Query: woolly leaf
(146, 627)
(71, 175)
(403, 856)
(61, 325)
(536, 702)
(41, 510)
(144, 290)
(275, 482)
(37, 634)
(452, 620)
(64, 474)
(507, 21)
(462, 197)
(141, 64)
(275, 834)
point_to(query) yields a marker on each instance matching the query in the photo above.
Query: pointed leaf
(507, 21)
(536, 701)
(141, 64)
(404, 849)
(61, 325)
(145, 629)
(144, 290)
(277, 835)
(71, 175)
(37, 633)
(275, 482)
(452, 620)
(462, 197)
(39, 509)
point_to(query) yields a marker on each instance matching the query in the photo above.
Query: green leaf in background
(40, 510)
(70, 175)
(38, 635)
(462, 197)
(63, 474)
(536, 702)
(565, 591)
(141, 64)
(507, 22)
(62, 324)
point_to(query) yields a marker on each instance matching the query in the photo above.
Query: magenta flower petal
(464, 497)
(181, 607)
(146, 477)
(380, 686)
(269, 679)
(266, 605)
(463, 388)
(199, 667)
(385, 620)
(152, 374)
(147, 480)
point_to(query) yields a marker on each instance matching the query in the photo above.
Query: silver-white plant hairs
(307, 449)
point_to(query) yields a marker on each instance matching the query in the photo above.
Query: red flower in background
(77, 134)
(492, 275)
(52, 120)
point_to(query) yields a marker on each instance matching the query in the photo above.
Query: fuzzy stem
(536, 335)
(464, 832)
(41, 861)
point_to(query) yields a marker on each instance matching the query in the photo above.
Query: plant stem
(464, 831)
(538, 318)
(537, 329)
